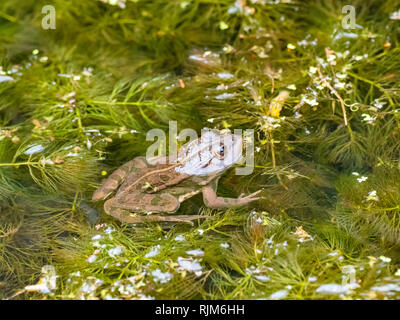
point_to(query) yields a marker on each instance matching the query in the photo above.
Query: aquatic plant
(76, 102)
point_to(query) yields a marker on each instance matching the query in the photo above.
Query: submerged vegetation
(76, 103)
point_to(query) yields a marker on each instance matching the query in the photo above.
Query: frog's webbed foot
(249, 198)
(211, 199)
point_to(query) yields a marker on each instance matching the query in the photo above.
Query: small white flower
(6, 78)
(372, 196)
(189, 265)
(109, 230)
(34, 149)
(161, 277)
(312, 70)
(153, 251)
(114, 251)
(278, 295)
(341, 76)
(367, 118)
(196, 252)
(92, 258)
(225, 96)
(385, 259)
(349, 269)
(395, 15)
(262, 278)
(225, 75)
(224, 245)
(339, 85)
(180, 238)
(332, 288)
(362, 179)
(311, 101)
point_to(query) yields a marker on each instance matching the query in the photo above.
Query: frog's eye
(220, 152)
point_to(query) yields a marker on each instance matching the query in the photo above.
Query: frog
(151, 189)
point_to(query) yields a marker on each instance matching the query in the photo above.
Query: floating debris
(302, 234)
(47, 283)
(276, 104)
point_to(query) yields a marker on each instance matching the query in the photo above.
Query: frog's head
(212, 153)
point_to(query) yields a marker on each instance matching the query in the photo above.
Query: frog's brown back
(152, 179)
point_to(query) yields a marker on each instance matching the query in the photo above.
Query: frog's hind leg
(121, 207)
(118, 213)
(113, 208)
(159, 218)
(211, 200)
(143, 202)
(118, 176)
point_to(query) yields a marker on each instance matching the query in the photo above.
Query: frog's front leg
(117, 177)
(211, 199)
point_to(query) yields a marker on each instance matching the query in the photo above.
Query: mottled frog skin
(153, 190)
